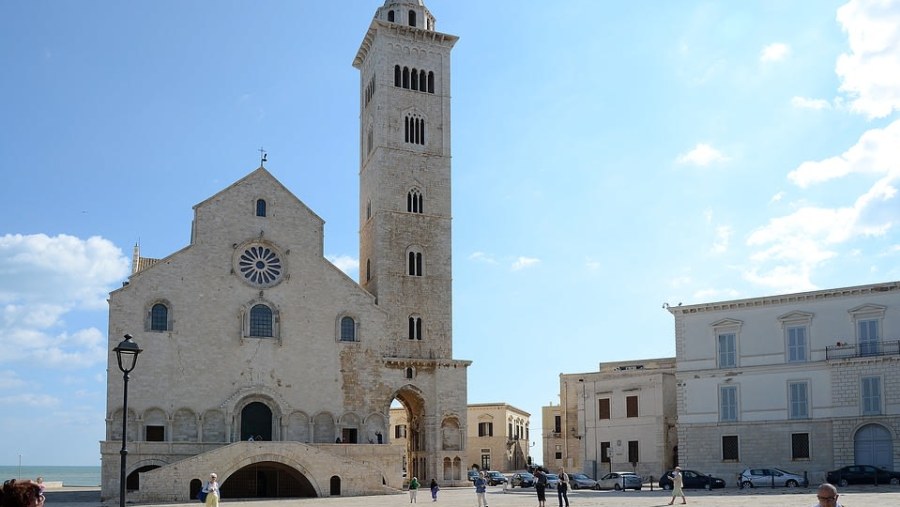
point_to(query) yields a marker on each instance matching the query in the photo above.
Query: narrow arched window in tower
(412, 18)
(421, 137)
(159, 317)
(391, 16)
(368, 210)
(370, 140)
(423, 79)
(368, 270)
(415, 328)
(414, 80)
(414, 202)
(397, 76)
(414, 262)
(431, 82)
(260, 207)
(261, 321)
(406, 77)
(409, 373)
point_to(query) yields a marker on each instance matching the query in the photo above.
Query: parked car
(495, 478)
(552, 481)
(581, 481)
(522, 480)
(620, 480)
(862, 474)
(766, 477)
(692, 480)
(473, 474)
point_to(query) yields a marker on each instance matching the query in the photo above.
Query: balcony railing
(866, 349)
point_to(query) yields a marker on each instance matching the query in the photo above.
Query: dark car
(692, 480)
(522, 480)
(473, 474)
(582, 481)
(495, 478)
(769, 477)
(862, 474)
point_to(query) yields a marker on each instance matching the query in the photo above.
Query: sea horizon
(71, 475)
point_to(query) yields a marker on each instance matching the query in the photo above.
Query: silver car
(620, 480)
(582, 481)
(769, 477)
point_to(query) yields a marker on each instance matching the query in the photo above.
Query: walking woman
(677, 485)
(212, 491)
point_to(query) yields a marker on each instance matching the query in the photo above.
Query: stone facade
(807, 382)
(264, 362)
(498, 436)
(627, 407)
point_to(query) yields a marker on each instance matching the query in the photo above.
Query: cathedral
(263, 362)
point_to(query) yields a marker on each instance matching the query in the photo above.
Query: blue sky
(608, 157)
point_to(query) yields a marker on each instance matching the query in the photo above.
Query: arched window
(415, 264)
(261, 321)
(415, 328)
(409, 373)
(406, 77)
(391, 16)
(368, 270)
(398, 76)
(159, 317)
(431, 82)
(414, 129)
(412, 18)
(414, 80)
(414, 202)
(422, 81)
(368, 210)
(348, 329)
(260, 207)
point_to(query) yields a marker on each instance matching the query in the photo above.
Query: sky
(608, 157)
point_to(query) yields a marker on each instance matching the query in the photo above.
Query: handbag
(202, 496)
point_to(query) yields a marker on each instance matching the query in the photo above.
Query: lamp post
(126, 354)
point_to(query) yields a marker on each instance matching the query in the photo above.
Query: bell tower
(404, 171)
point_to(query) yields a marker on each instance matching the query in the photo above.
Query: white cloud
(876, 152)
(774, 52)
(715, 294)
(777, 197)
(42, 280)
(17, 401)
(10, 380)
(723, 235)
(525, 262)
(806, 103)
(870, 72)
(482, 257)
(702, 155)
(345, 263)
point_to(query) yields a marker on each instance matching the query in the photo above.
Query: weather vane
(263, 157)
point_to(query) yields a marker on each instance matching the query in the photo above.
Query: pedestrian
(480, 489)
(40, 482)
(21, 494)
(540, 485)
(434, 489)
(212, 491)
(562, 490)
(827, 496)
(677, 485)
(413, 489)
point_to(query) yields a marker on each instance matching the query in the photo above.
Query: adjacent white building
(621, 417)
(808, 382)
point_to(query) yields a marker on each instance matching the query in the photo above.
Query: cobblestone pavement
(859, 496)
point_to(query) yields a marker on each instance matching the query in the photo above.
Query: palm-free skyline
(608, 157)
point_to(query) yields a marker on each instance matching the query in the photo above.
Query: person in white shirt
(827, 495)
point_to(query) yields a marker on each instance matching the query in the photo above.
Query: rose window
(260, 265)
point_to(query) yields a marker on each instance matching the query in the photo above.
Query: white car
(621, 480)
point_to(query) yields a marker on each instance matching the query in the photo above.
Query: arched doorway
(267, 479)
(414, 432)
(256, 422)
(873, 445)
(133, 481)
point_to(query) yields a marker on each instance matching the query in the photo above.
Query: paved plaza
(860, 496)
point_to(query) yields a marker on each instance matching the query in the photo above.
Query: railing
(866, 349)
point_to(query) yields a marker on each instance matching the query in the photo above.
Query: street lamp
(126, 354)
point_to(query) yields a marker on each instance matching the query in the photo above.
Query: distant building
(621, 417)
(264, 362)
(497, 439)
(807, 382)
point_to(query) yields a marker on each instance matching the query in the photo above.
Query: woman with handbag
(212, 491)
